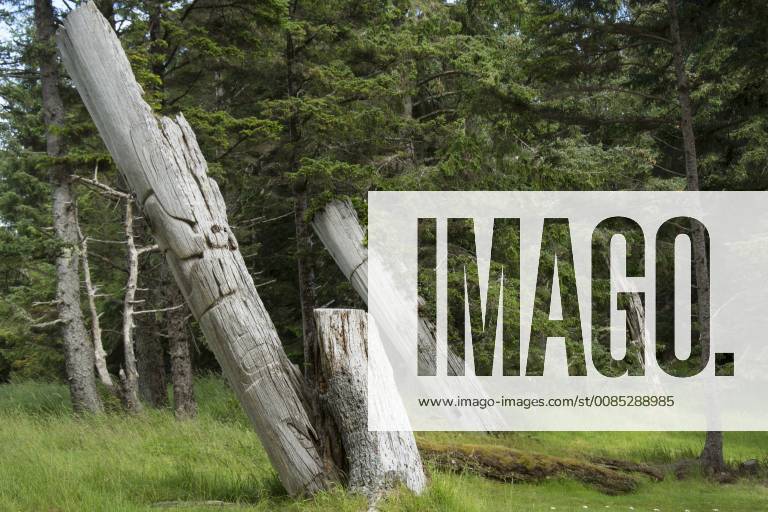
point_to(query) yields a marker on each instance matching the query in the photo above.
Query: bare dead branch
(102, 188)
(159, 310)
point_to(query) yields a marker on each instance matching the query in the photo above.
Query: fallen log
(377, 460)
(167, 173)
(508, 465)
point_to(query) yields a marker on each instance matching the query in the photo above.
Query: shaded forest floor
(50, 461)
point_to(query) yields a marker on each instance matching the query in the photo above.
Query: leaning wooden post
(167, 173)
(339, 229)
(377, 460)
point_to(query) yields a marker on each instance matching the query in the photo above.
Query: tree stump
(377, 460)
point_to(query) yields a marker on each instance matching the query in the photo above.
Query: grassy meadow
(53, 462)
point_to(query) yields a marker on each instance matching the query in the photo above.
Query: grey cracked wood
(339, 229)
(377, 460)
(166, 171)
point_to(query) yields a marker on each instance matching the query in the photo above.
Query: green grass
(51, 461)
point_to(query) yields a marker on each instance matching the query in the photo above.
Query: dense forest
(295, 103)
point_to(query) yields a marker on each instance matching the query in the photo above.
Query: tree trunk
(377, 460)
(129, 374)
(327, 433)
(150, 361)
(78, 352)
(637, 331)
(327, 429)
(166, 170)
(150, 350)
(100, 355)
(339, 229)
(712, 455)
(184, 404)
(306, 277)
(303, 234)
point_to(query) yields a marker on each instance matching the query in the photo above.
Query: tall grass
(52, 461)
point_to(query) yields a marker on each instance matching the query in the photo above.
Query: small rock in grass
(749, 467)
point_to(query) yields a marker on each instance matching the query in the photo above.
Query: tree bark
(166, 170)
(184, 404)
(78, 352)
(100, 355)
(712, 455)
(377, 460)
